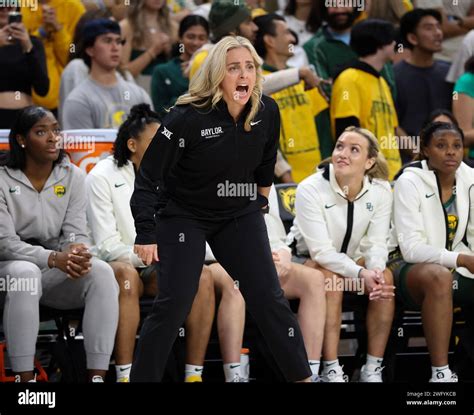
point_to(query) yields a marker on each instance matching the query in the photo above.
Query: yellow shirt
(299, 141)
(408, 5)
(359, 94)
(57, 47)
(197, 61)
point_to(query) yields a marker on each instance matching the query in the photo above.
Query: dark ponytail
(140, 116)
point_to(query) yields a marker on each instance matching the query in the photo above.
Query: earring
(23, 146)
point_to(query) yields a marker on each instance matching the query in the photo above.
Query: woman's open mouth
(242, 91)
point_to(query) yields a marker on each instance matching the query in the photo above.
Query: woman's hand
(147, 253)
(49, 19)
(466, 261)
(282, 260)
(375, 285)
(19, 32)
(5, 39)
(160, 42)
(74, 265)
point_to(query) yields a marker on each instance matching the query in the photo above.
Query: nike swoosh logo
(234, 366)
(329, 207)
(428, 196)
(12, 190)
(119, 185)
(126, 368)
(252, 123)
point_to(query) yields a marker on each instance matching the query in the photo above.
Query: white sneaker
(442, 377)
(238, 379)
(316, 379)
(97, 379)
(371, 376)
(334, 375)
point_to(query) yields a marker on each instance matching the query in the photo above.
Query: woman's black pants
(241, 246)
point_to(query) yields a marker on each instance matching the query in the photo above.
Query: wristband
(53, 259)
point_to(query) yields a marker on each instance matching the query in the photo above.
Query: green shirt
(167, 84)
(465, 85)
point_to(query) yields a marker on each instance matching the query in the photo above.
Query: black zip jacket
(198, 159)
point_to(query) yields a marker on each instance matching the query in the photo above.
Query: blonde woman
(206, 176)
(149, 32)
(341, 227)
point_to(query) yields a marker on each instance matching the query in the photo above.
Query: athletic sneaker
(123, 379)
(193, 379)
(97, 379)
(316, 378)
(238, 379)
(371, 376)
(444, 377)
(334, 375)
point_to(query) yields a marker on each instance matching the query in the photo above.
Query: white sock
(231, 370)
(328, 364)
(123, 371)
(190, 370)
(314, 365)
(436, 370)
(373, 362)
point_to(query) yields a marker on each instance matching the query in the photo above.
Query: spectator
(361, 97)
(117, 8)
(103, 100)
(329, 49)
(441, 115)
(76, 70)
(303, 18)
(421, 84)
(23, 68)
(149, 33)
(301, 111)
(457, 21)
(463, 105)
(52, 254)
(465, 51)
(168, 81)
(54, 24)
